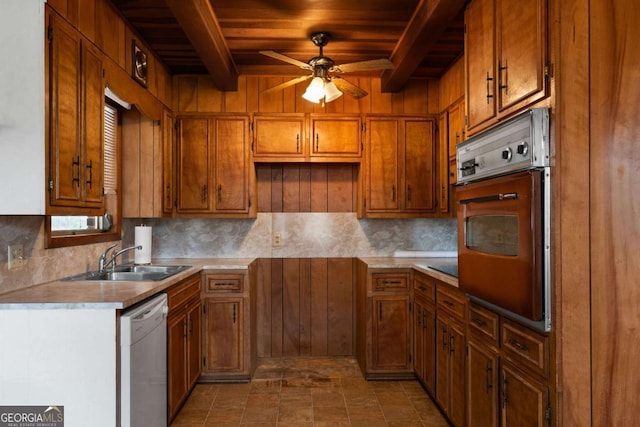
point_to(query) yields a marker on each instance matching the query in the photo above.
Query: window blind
(110, 149)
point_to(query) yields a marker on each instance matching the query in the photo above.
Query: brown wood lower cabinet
(507, 378)
(450, 352)
(383, 313)
(183, 341)
(228, 350)
(424, 329)
(482, 385)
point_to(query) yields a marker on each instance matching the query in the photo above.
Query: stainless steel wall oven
(503, 218)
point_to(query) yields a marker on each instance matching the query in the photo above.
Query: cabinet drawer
(525, 346)
(424, 287)
(484, 323)
(223, 283)
(181, 292)
(390, 281)
(452, 300)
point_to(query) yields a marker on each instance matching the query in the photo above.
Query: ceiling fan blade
(348, 87)
(374, 64)
(285, 58)
(288, 83)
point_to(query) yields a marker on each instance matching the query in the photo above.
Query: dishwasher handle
(150, 312)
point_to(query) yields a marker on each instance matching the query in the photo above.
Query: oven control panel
(517, 144)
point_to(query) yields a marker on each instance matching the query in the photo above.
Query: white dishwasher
(143, 364)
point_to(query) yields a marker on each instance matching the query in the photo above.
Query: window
(71, 230)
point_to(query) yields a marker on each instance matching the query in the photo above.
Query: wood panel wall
(307, 187)
(198, 94)
(305, 307)
(451, 87)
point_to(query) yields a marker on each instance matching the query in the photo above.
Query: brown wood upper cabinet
(279, 137)
(335, 136)
(400, 166)
(213, 173)
(505, 71)
(298, 137)
(75, 114)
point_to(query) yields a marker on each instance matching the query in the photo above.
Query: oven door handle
(492, 198)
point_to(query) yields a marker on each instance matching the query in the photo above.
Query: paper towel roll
(143, 238)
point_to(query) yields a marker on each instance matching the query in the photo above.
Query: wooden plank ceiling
(223, 37)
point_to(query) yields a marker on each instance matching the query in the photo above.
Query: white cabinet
(22, 155)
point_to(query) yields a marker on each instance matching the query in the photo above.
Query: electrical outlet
(277, 240)
(16, 256)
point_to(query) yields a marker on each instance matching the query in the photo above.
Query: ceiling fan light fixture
(315, 90)
(331, 92)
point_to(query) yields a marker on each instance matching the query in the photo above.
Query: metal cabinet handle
(489, 96)
(75, 171)
(184, 328)
(488, 372)
(502, 68)
(90, 167)
(447, 303)
(297, 142)
(391, 282)
(479, 322)
(393, 193)
(505, 399)
(317, 141)
(424, 319)
(409, 193)
(219, 193)
(518, 345)
(234, 312)
(418, 317)
(452, 340)
(203, 194)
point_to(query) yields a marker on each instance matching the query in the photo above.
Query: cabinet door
(479, 48)
(231, 164)
(419, 164)
(524, 400)
(194, 334)
(424, 344)
(168, 168)
(521, 60)
(223, 335)
(382, 164)
(193, 157)
(278, 135)
(418, 341)
(390, 333)
(443, 163)
(442, 362)
(482, 386)
(457, 351)
(92, 113)
(64, 113)
(177, 358)
(335, 136)
(457, 133)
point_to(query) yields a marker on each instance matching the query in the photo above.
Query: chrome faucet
(103, 263)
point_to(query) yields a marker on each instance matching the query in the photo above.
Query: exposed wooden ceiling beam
(427, 24)
(199, 22)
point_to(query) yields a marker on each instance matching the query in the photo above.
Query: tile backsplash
(303, 235)
(42, 265)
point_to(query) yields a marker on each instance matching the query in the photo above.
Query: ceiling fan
(324, 86)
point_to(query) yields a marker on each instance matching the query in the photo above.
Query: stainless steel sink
(131, 273)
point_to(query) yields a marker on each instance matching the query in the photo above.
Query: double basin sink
(131, 273)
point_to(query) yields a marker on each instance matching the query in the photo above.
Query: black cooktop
(451, 270)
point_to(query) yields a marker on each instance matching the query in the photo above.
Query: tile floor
(309, 392)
